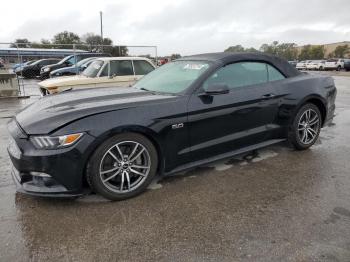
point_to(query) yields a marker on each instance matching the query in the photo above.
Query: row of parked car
(330, 64)
(45, 68)
(85, 70)
(99, 72)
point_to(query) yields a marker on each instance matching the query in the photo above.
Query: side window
(142, 67)
(239, 74)
(51, 62)
(71, 60)
(274, 74)
(104, 71)
(121, 68)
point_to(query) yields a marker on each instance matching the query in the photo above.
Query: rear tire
(305, 128)
(122, 167)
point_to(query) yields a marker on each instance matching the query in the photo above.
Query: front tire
(122, 167)
(306, 127)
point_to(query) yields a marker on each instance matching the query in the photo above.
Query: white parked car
(334, 64)
(316, 65)
(103, 72)
(302, 65)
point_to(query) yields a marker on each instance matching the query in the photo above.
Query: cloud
(196, 26)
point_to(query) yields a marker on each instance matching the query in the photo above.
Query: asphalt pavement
(274, 204)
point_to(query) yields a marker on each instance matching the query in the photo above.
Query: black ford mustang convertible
(186, 113)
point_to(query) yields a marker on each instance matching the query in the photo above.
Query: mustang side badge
(176, 126)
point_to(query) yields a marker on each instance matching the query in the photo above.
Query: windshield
(93, 69)
(81, 62)
(173, 77)
(69, 60)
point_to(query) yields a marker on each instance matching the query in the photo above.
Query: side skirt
(222, 156)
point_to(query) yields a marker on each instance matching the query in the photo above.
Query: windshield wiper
(151, 91)
(156, 92)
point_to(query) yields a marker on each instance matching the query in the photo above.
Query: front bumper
(50, 173)
(37, 186)
(44, 75)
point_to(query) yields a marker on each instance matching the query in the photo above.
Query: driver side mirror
(217, 89)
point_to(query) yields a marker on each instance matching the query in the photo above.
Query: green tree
(65, 39)
(305, 53)
(317, 52)
(341, 50)
(118, 50)
(175, 56)
(92, 39)
(287, 51)
(312, 52)
(251, 50)
(270, 49)
(44, 43)
(94, 42)
(21, 43)
(240, 49)
(235, 48)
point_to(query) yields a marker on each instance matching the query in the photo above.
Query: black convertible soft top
(229, 57)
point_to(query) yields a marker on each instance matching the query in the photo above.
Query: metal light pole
(101, 31)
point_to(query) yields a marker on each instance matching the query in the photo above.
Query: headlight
(54, 142)
(47, 69)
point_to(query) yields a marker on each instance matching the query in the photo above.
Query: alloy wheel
(308, 126)
(125, 166)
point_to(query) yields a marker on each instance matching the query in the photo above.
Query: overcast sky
(182, 26)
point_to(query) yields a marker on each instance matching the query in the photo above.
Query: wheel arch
(317, 101)
(146, 132)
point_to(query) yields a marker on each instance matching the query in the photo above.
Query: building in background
(330, 48)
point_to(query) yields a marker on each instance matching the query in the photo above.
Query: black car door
(220, 123)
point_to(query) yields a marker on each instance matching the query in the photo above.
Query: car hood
(66, 81)
(64, 69)
(28, 67)
(52, 112)
(55, 66)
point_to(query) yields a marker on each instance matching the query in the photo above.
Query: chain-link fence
(31, 63)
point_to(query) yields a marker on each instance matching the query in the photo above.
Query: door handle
(268, 96)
